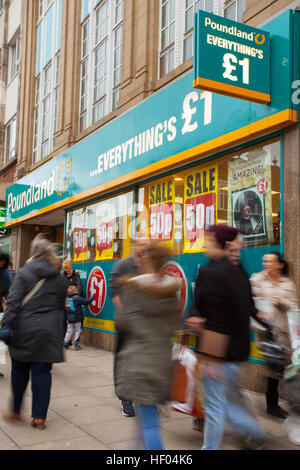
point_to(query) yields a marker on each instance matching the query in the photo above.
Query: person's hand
(265, 316)
(278, 299)
(195, 323)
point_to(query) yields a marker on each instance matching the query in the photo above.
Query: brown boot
(10, 416)
(38, 423)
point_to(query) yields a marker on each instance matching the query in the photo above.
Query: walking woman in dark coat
(37, 337)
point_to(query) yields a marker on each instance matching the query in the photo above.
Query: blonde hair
(41, 247)
(67, 262)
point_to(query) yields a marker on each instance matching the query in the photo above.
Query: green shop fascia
(180, 160)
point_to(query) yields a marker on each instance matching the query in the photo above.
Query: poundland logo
(235, 31)
(58, 183)
(35, 193)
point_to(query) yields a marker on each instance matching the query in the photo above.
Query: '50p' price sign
(105, 240)
(161, 204)
(200, 206)
(80, 244)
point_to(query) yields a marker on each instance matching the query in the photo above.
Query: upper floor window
(234, 10)
(101, 61)
(1, 5)
(10, 140)
(47, 77)
(14, 58)
(177, 25)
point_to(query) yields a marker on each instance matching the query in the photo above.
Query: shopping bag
(185, 391)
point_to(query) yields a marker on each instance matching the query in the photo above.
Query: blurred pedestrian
(127, 266)
(4, 283)
(149, 317)
(33, 313)
(221, 312)
(71, 277)
(11, 272)
(74, 316)
(273, 284)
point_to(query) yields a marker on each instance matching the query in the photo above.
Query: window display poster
(104, 235)
(80, 244)
(161, 211)
(250, 196)
(200, 206)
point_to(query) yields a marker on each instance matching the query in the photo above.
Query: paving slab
(85, 443)
(84, 413)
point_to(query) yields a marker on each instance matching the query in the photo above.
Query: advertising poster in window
(200, 206)
(80, 244)
(161, 211)
(105, 221)
(250, 196)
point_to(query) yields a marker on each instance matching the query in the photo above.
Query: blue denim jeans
(223, 400)
(149, 422)
(40, 384)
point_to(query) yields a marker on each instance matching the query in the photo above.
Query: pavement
(84, 413)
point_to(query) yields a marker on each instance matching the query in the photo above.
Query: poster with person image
(250, 196)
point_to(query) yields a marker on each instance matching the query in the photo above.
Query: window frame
(10, 156)
(182, 35)
(51, 93)
(14, 57)
(88, 117)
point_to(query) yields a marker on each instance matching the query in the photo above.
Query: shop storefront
(179, 161)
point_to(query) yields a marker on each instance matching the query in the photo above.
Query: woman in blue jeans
(33, 316)
(149, 316)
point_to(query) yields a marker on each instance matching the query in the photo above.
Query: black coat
(73, 280)
(37, 327)
(223, 296)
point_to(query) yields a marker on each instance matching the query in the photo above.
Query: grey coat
(143, 365)
(37, 327)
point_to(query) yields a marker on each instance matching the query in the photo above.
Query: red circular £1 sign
(262, 185)
(173, 269)
(96, 286)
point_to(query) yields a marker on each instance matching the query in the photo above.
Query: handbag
(186, 384)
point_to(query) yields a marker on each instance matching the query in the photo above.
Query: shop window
(101, 61)
(241, 190)
(100, 231)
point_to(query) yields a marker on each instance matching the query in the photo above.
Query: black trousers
(272, 385)
(119, 343)
(40, 385)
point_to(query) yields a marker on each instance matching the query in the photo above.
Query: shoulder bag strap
(35, 288)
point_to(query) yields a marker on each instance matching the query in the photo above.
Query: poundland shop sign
(231, 58)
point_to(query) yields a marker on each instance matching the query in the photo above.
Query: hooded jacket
(37, 326)
(143, 369)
